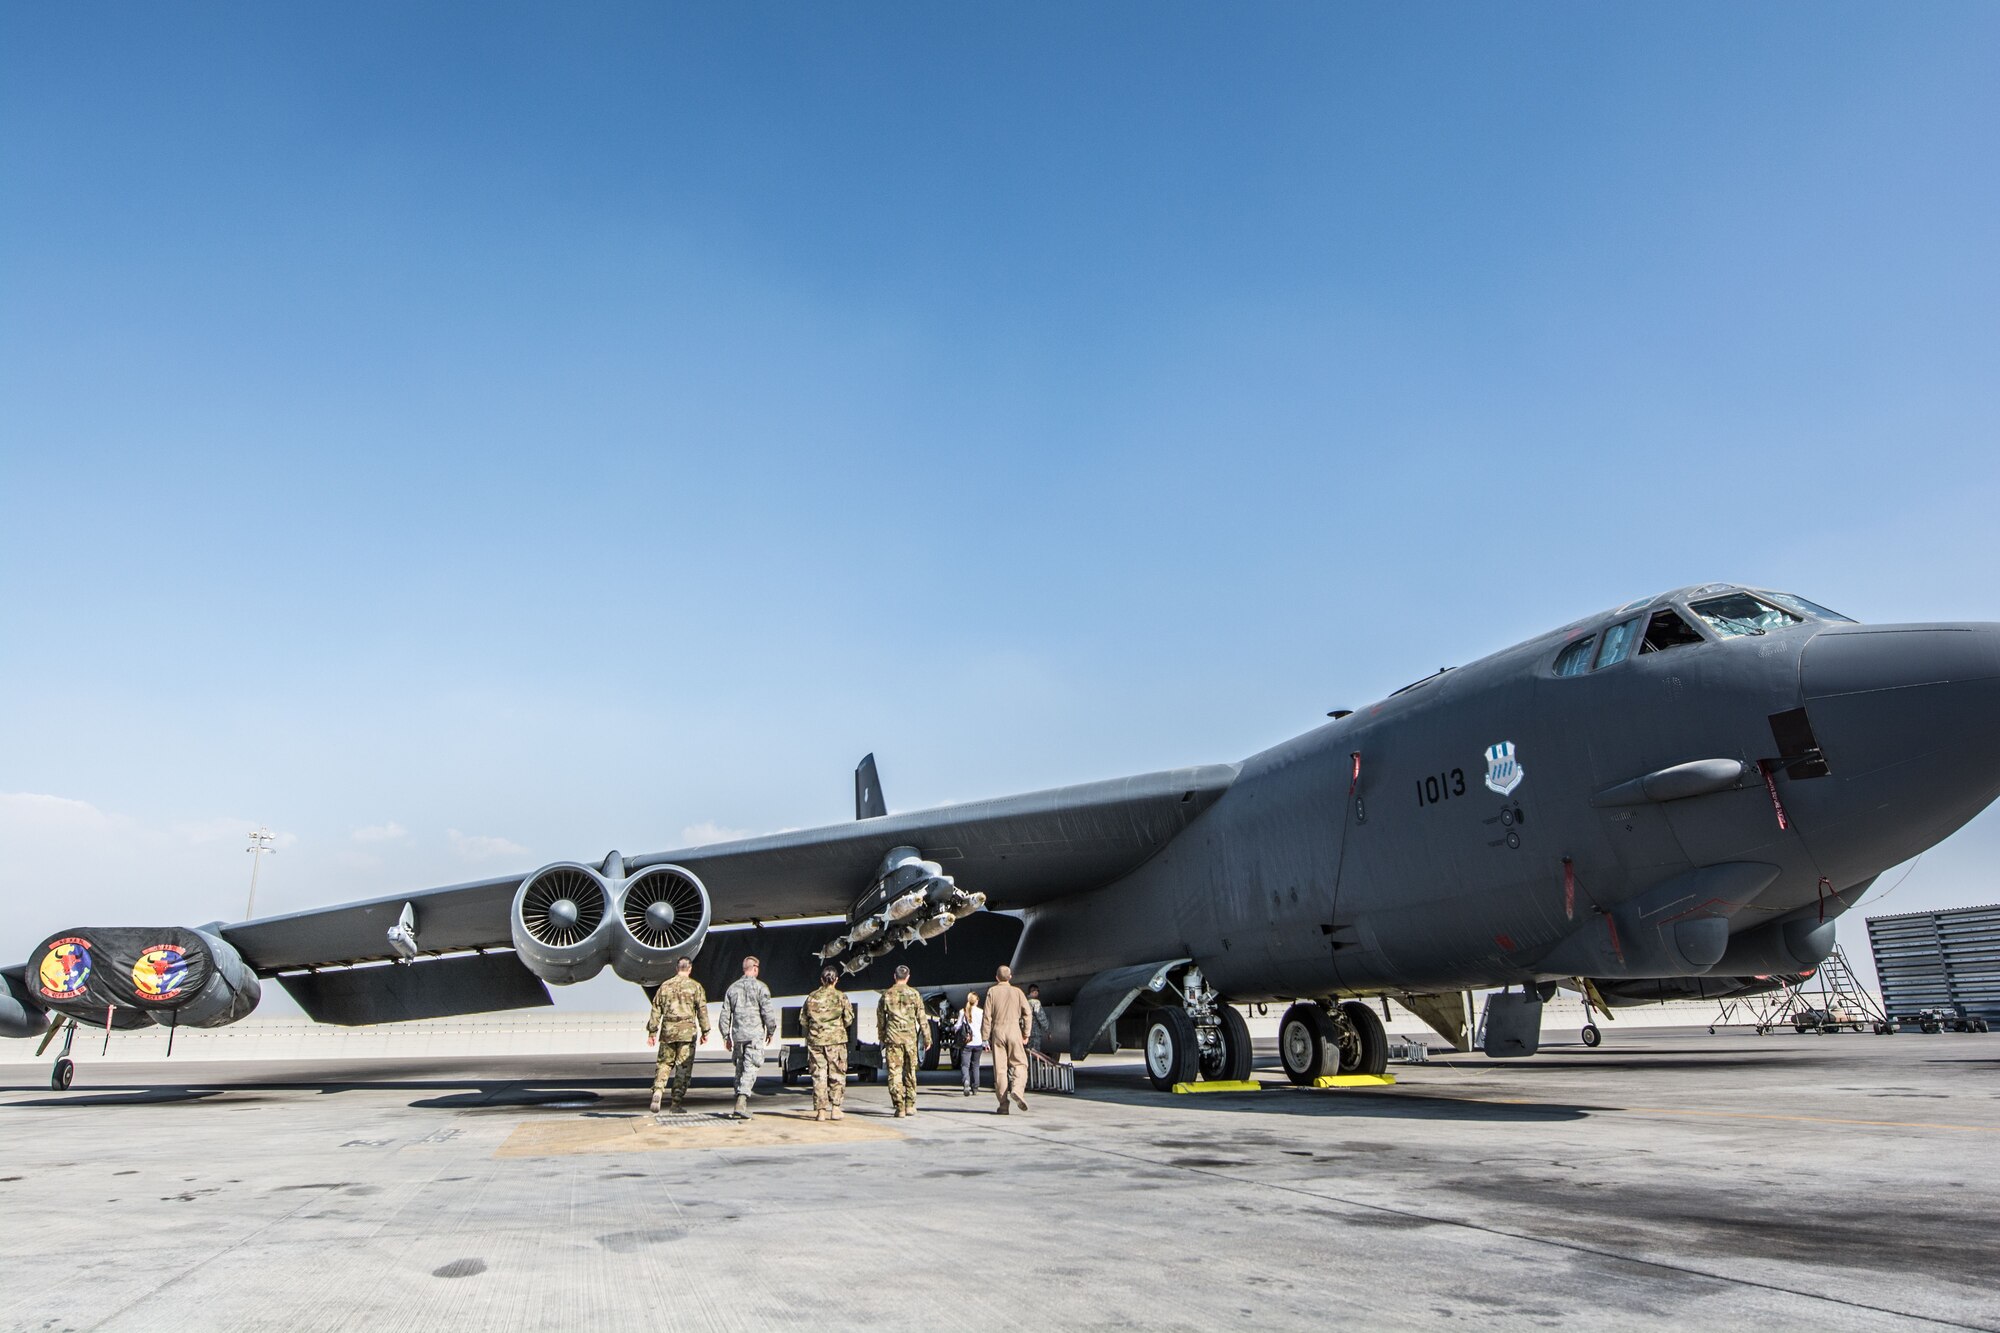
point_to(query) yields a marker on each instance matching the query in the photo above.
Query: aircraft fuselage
(1697, 807)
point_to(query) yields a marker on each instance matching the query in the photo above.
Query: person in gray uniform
(749, 1022)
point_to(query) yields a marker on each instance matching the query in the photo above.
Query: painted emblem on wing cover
(65, 969)
(161, 972)
(1503, 770)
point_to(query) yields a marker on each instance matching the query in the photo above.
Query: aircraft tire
(1234, 1066)
(1591, 1036)
(1308, 1046)
(1371, 1055)
(63, 1075)
(1173, 1055)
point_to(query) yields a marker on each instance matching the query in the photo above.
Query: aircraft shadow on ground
(1128, 1088)
(1111, 1087)
(1632, 1060)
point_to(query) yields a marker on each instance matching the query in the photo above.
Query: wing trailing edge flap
(432, 988)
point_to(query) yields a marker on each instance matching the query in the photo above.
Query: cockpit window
(1667, 630)
(1575, 659)
(1805, 608)
(1739, 613)
(1618, 641)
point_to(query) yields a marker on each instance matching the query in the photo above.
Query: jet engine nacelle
(662, 918)
(231, 992)
(562, 923)
(130, 976)
(570, 920)
(20, 1016)
(1781, 946)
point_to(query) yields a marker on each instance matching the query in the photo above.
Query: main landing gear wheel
(1364, 1046)
(1232, 1063)
(1173, 1055)
(1591, 1036)
(1308, 1044)
(63, 1075)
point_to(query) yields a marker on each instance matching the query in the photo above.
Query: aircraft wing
(1018, 850)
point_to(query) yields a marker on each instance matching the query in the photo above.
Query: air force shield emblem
(1503, 770)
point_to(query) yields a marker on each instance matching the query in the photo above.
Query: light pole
(260, 842)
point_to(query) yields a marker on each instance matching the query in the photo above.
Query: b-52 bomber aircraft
(1675, 798)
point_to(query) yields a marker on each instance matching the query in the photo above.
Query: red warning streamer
(1771, 786)
(1569, 889)
(1354, 780)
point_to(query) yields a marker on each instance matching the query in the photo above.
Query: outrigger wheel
(63, 1075)
(1591, 1036)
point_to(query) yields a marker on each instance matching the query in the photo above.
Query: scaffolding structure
(1827, 999)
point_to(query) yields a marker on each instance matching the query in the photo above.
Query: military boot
(674, 1107)
(655, 1106)
(742, 1107)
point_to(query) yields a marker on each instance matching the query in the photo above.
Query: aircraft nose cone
(1856, 659)
(1908, 717)
(563, 914)
(660, 916)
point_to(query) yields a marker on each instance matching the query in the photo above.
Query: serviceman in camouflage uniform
(826, 1018)
(679, 1023)
(748, 1022)
(901, 1025)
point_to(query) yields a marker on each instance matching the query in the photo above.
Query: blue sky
(465, 437)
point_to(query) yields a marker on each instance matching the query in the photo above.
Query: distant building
(1936, 960)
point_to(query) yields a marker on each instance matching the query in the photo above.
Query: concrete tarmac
(1665, 1180)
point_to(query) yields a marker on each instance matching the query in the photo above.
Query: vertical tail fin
(868, 802)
